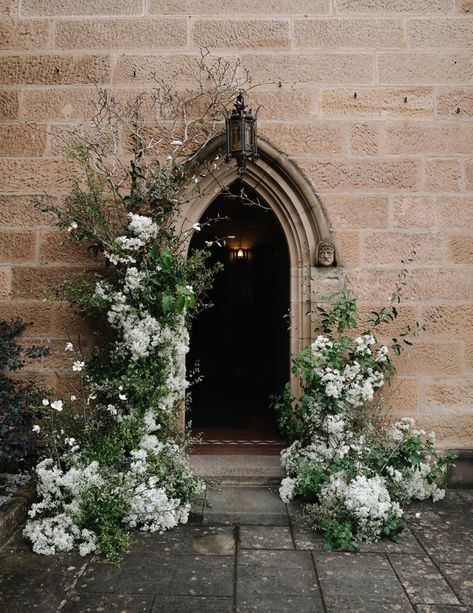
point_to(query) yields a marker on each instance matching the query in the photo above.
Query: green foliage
(19, 446)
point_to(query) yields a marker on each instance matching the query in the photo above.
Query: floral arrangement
(116, 449)
(353, 468)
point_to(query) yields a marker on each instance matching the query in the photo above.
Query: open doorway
(241, 343)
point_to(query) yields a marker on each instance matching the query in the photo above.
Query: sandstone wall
(373, 99)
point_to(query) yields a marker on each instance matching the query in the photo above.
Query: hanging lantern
(241, 135)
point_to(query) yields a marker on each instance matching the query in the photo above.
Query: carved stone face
(325, 253)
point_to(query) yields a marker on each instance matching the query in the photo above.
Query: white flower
(72, 227)
(78, 366)
(57, 405)
(45, 402)
(70, 441)
(122, 396)
(176, 142)
(69, 347)
(197, 227)
(111, 409)
(112, 257)
(73, 397)
(286, 491)
(36, 428)
(190, 289)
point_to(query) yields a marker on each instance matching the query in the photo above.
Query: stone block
(64, 136)
(24, 35)
(392, 247)
(441, 33)
(145, 69)
(247, 7)
(460, 576)
(393, 6)
(460, 248)
(425, 67)
(453, 428)
(43, 8)
(68, 104)
(22, 140)
(17, 247)
(347, 175)
(9, 105)
(469, 175)
(241, 33)
(138, 33)
(442, 175)
(413, 212)
(19, 211)
(448, 320)
(265, 537)
(465, 6)
(38, 313)
(54, 69)
(33, 176)
(66, 322)
(422, 284)
(352, 33)
(244, 505)
(38, 282)
(57, 248)
(454, 211)
(377, 103)
(8, 8)
(433, 139)
(187, 540)
(347, 246)
(407, 315)
(340, 68)
(427, 358)
(284, 104)
(307, 139)
(449, 392)
(356, 211)
(138, 603)
(5, 282)
(364, 139)
(454, 103)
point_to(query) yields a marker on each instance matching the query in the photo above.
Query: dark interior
(241, 343)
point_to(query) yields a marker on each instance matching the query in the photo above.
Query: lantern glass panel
(236, 137)
(248, 136)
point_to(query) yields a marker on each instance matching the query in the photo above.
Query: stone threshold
(257, 469)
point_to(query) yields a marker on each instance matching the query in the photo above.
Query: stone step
(238, 469)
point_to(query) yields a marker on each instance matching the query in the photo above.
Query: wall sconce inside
(240, 255)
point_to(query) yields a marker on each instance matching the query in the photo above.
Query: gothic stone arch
(283, 187)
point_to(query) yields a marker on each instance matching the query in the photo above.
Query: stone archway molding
(283, 187)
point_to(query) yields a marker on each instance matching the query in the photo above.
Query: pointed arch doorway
(294, 204)
(241, 343)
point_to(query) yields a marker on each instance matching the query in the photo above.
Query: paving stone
(445, 608)
(161, 574)
(460, 577)
(121, 603)
(347, 575)
(447, 537)
(362, 604)
(244, 505)
(407, 545)
(422, 581)
(281, 604)
(18, 542)
(265, 537)
(192, 604)
(187, 540)
(269, 573)
(29, 581)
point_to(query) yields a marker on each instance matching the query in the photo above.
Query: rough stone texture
(24, 35)
(22, 140)
(216, 7)
(32, 176)
(121, 33)
(377, 103)
(20, 211)
(465, 6)
(393, 6)
(17, 247)
(429, 139)
(424, 67)
(299, 139)
(54, 69)
(356, 211)
(452, 32)
(460, 248)
(364, 139)
(414, 212)
(9, 105)
(442, 175)
(240, 34)
(448, 320)
(84, 7)
(353, 33)
(392, 247)
(454, 103)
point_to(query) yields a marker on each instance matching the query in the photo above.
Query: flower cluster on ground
(353, 467)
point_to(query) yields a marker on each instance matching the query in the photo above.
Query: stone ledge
(461, 475)
(14, 512)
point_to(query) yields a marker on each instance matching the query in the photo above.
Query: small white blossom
(45, 402)
(72, 227)
(57, 405)
(69, 347)
(78, 366)
(122, 396)
(36, 428)
(73, 397)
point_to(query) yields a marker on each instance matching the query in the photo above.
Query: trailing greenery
(352, 466)
(18, 443)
